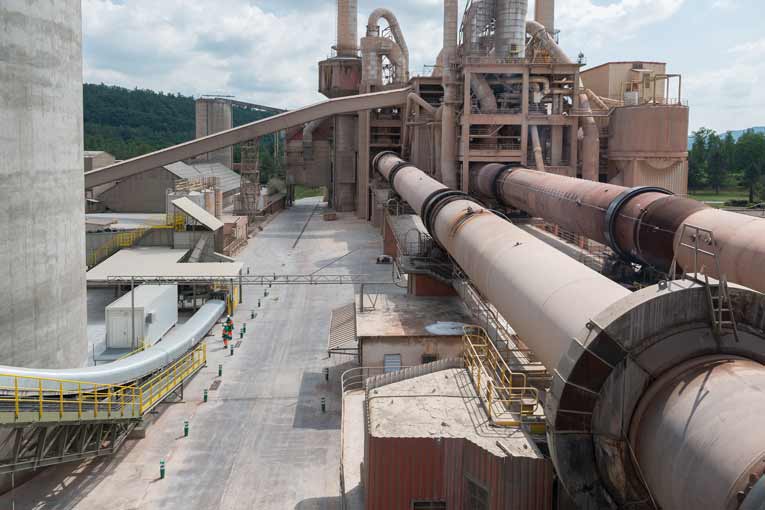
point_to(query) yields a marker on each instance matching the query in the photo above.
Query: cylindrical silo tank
(218, 203)
(209, 200)
(510, 30)
(42, 223)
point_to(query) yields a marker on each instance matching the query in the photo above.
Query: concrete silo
(42, 229)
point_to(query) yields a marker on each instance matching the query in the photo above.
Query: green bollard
(241, 333)
(161, 469)
(326, 374)
(244, 327)
(205, 395)
(220, 369)
(186, 428)
(252, 314)
(232, 348)
(323, 405)
(258, 303)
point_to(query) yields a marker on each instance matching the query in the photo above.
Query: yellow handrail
(485, 365)
(48, 399)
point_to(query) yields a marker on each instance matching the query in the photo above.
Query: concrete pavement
(261, 441)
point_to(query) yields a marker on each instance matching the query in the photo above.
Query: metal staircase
(506, 396)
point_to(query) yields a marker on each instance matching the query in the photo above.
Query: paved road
(261, 442)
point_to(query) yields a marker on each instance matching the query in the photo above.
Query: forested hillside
(128, 123)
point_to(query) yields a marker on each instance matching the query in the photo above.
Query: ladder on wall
(701, 242)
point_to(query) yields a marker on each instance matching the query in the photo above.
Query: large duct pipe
(612, 353)
(308, 130)
(640, 224)
(483, 91)
(539, 159)
(591, 141)
(544, 14)
(449, 80)
(510, 29)
(544, 293)
(347, 29)
(373, 30)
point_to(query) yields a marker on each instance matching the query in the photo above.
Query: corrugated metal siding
(228, 180)
(400, 470)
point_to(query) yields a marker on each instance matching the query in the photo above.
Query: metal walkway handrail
(30, 399)
(506, 402)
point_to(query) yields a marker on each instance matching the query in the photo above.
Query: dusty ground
(261, 442)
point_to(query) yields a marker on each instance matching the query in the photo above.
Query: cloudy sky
(266, 51)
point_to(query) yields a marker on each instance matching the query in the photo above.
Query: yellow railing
(45, 399)
(141, 348)
(124, 239)
(38, 399)
(158, 387)
(506, 395)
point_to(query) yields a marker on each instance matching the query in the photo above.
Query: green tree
(697, 159)
(717, 170)
(750, 158)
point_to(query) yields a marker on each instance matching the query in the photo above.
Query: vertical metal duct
(544, 13)
(510, 31)
(373, 30)
(448, 121)
(347, 30)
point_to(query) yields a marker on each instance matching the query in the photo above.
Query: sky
(266, 51)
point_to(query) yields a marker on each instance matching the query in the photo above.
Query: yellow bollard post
(40, 397)
(16, 394)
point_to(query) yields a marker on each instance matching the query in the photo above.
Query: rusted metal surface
(645, 222)
(693, 433)
(403, 470)
(740, 241)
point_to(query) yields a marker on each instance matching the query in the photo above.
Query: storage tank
(214, 115)
(42, 223)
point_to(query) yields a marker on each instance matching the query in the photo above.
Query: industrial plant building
(508, 301)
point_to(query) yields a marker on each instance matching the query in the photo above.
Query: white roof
(158, 261)
(199, 214)
(144, 294)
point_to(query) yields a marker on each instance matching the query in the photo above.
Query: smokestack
(544, 13)
(347, 30)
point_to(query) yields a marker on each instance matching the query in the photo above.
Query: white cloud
(585, 20)
(730, 94)
(227, 46)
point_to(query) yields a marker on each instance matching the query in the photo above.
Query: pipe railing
(506, 395)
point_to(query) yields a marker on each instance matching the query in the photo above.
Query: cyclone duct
(42, 229)
(510, 29)
(645, 399)
(641, 224)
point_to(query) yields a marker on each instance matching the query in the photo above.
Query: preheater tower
(42, 232)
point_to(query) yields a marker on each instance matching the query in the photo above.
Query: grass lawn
(305, 192)
(718, 200)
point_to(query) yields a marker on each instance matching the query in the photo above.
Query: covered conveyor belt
(244, 133)
(122, 390)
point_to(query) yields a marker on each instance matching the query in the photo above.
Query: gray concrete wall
(141, 193)
(42, 223)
